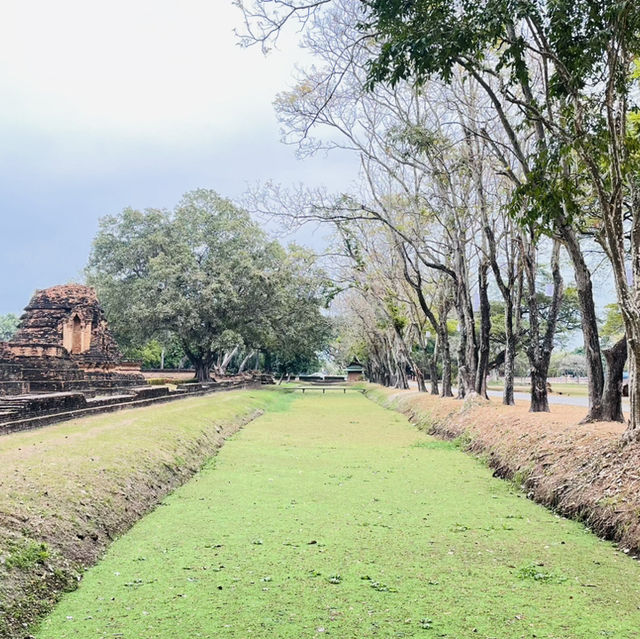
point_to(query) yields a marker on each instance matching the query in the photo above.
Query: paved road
(564, 400)
(553, 399)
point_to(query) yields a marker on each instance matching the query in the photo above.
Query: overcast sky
(128, 103)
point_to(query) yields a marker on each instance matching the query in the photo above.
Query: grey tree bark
(616, 358)
(540, 347)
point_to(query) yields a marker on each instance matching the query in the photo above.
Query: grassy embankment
(580, 470)
(336, 517)
(68, 490)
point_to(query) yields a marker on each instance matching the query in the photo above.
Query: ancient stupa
(63, 343)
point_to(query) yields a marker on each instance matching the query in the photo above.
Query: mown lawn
(333, 516)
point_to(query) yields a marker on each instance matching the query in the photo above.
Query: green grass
(334, 516)
(26, 555)
(68, 489)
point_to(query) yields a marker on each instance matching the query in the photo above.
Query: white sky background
(108, 105)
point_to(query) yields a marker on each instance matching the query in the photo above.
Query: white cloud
(156, 69)
(105, 105)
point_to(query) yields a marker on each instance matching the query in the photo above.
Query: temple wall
(14, 351)
(63, 343)
(76, 335)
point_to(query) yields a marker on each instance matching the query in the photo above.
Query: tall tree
(204, 273)
(297, 328)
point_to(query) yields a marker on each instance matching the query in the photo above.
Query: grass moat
(332, 516)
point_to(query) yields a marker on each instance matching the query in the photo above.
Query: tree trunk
(433, 369)
(405, 352)
(462, 348)
(539, 396)
(632, 433)
(392, 369)
(401, 374)
(509, 362)
(227, 359)
(203, 370)
(509, 358)
(589, 320)
(470, 367)
(445, 356)
(616, 358)
(418, 373)
(485, 331)
(201, 363)
(539, 351)
(511, 289)
(434, 378)
(630, 308)
(462, 391)
(245, 361)
(420, 379)
(468, 348)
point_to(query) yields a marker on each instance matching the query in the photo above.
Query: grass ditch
(580, 471)
(337, 518)
(70, 489)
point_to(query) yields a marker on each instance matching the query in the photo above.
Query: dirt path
(336, 517)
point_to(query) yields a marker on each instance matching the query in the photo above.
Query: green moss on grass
(68, 490)
(367, 529)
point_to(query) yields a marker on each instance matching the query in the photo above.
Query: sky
(129, 103)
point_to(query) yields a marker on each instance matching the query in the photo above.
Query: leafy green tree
(194, 272)
(207, 275)
(157, 353)
(572, 364)
(613, 326)
(8, 326)
(299, 329)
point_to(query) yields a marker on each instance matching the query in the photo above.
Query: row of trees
(497, 139)
(204, 280)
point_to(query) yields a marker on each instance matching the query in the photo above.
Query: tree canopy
(206, 274)
(496, 139)
(8, 326)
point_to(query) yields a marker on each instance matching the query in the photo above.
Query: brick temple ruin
(63, 343)
(63, 363)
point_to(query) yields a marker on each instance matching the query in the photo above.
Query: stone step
(10, 405)
(40, 404)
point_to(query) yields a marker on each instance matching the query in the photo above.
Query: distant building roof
(355, 367)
